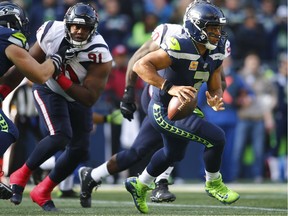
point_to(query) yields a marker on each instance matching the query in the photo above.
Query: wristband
(166, 86)
(64, 82)
(4, 91)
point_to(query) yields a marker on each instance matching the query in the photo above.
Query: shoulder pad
(19, 39)
(173, 44)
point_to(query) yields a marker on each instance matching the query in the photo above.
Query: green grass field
(256, 199)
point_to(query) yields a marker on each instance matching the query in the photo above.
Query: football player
(64, 102)
(14, 51)
(179, 68)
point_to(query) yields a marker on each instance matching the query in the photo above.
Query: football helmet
(200, 14)
(80, 14)
(14, 17)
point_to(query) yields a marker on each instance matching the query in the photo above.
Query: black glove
(127, 105)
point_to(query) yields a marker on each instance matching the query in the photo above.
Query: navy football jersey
(7, 37)
(188, 66)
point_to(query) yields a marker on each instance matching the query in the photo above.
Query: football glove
(127, 105)
(115, 117)
(58, 57)
(64, 53)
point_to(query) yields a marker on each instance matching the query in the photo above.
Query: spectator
(266, 16)
(234, 13)
(255, 117)
(133, 9)
(180, 8)
(278, 153)
(162, 8)
(43, 11)
(142, 30)
(249, 37)
(114, 26)
(281, 31)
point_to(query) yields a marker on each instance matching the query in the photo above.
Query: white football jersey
(50, 35)
(165, 30)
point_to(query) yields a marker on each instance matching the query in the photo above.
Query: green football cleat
(138, 192)
(217, 189)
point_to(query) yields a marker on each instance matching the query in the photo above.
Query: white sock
(100, 172)
(49, 164)
(211, 176)
(67, 184)
(146, 178)
(165, 174)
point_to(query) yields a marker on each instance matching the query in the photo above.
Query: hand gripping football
(177, 110)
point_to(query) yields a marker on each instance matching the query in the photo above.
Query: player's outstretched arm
(25, 63)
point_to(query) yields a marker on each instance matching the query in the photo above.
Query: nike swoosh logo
(221, 196)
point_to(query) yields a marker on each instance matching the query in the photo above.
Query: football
(177, 110)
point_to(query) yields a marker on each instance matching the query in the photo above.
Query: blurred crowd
(255, 119)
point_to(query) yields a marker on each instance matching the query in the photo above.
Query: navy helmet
(200, 14)
(14, 17)
(81, 14)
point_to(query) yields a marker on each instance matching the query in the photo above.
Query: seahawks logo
(8, 10)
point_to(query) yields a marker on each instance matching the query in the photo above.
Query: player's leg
(53, 111)
(8, 135)
(8, 132)
(75, 153)
(214, 140)
(173, 151)
(146, 141)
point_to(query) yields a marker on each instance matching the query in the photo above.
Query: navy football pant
(68, 126)
(176, 136)
(8, 132)
(147, 141)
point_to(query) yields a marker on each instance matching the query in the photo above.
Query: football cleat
(217, 189)
(49, 206)
(42, 198)
(18, 181)
(17, 192)
(87, 184)
(5, 191)
(161, 193)
(138, 192)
